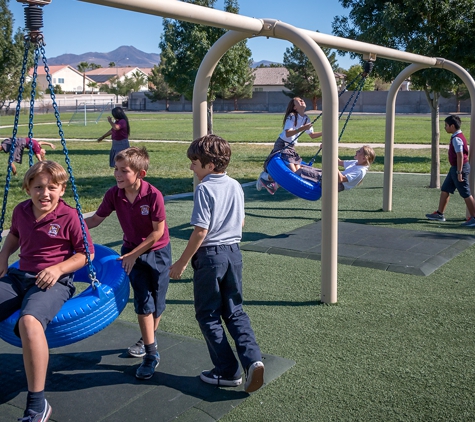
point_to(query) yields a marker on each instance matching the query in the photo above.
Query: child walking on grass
(213, 248)
(146, 252)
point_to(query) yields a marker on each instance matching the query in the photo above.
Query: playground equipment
(100, 303)
(242, 27)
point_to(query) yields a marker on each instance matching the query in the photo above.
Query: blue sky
(72, 26)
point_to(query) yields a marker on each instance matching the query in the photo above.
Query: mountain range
(123, 56)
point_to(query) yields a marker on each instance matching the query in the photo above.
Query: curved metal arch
(390, 118)
(329, 128)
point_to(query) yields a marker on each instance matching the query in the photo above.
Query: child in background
(50, 238)
(355, 170)
(20, 145)
(119, 132)
(213, 248)
(457, 178)
(295, 122)
(146, 252)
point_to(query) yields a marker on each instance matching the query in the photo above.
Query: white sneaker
(254, 377)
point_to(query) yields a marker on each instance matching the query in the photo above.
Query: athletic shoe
(258, 184)
(254, 377)
(271, 187)
(210, 377)
(31, 416)
(469, 223)
(138, 349)
(146, 370)
(435, 216)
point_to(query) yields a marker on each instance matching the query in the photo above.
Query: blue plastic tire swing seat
(102, 301)
(292, 182)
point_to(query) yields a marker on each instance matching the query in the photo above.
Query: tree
(303, 80)
(184, 46)
(93, 85)
(11, 58)
(124, 86)
(434, 28)
(241, 88)
(353, 72)
(83, 67)
(159, 89)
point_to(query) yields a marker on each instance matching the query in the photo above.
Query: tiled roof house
(66, 76)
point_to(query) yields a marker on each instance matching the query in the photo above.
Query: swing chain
(92, 274)
(32, 107)
(13, 139)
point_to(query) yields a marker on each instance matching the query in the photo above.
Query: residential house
(66, 76)
(271, 79)
(103, 75)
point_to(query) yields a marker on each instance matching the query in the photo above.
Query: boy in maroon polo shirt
(457, 178)
(50, 238)
(146, 252)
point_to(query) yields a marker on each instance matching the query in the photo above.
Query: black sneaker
(211, 378)
(146, 370)
(254, 377)
(435, 216)
(31, 416)
(138, 349)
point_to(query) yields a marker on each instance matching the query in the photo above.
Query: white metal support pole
(389, 141)
(329, 128)
(329, 200)
(390, 117)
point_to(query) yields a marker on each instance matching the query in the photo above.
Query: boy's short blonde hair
(136, 158)
(58, 174)
(369, 154)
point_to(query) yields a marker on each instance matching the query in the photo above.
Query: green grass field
(234, 127)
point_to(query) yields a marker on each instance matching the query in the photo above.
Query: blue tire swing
(292, 182)
(102, 301)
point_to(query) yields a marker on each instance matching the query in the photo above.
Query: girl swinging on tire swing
(295, 122)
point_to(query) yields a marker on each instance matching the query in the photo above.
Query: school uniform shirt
(458, 143)
(119, 135)
(49, 241)
(136, 219)
(219, 208)
(354, 173)
(20, 145)
(291, 124)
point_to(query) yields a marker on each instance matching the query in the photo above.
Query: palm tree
(83, 67)
(93, 86)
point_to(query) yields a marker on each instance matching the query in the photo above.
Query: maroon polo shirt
(49, 241)
(119, 135)
(136, 219)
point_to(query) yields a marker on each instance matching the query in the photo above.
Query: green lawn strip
(169, 168)
(234, 127)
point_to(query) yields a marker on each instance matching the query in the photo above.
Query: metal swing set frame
(310, 42)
